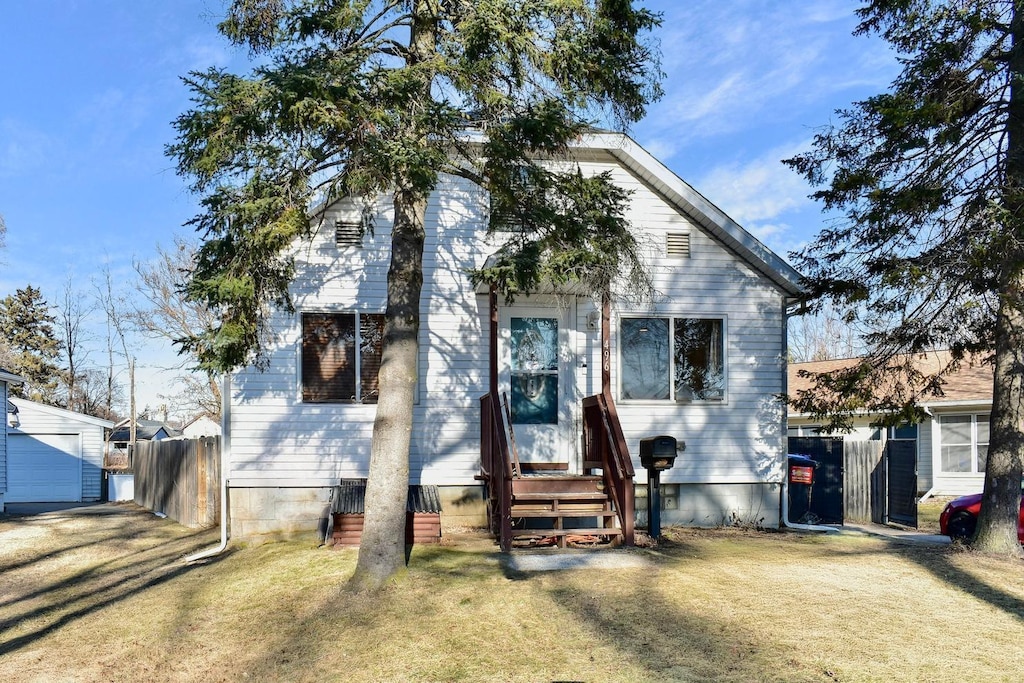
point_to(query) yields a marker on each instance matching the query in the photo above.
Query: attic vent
(677, 244)
(348, 233)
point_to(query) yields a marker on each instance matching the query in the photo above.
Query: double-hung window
(964, 442)
(672, 359)
(341, 355)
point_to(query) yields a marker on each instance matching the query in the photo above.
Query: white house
(53, 455)
(952, 440)
(200, 426)
(704, 362)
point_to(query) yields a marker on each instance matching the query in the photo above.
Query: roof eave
(693, 204)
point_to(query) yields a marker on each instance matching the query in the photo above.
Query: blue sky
(91, 88)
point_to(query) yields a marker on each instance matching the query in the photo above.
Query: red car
(960, 516)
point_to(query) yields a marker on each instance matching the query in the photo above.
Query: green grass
(80, 603)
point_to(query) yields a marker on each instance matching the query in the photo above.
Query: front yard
(105, 597)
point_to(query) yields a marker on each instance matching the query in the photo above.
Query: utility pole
(131, 407)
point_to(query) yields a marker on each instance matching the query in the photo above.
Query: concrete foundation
(713, 505)
(266, 514)
(272, 514)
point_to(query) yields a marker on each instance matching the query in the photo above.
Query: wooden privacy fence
(864, 488)
(180, 478)
(851, 482)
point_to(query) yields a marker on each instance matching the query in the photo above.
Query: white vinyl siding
(276, 440)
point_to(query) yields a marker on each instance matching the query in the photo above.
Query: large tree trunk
(997, 523)
(382, 547)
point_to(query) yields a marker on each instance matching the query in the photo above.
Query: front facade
(952, 440)
(53, 455)
(704, 362)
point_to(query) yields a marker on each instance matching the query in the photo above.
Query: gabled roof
(25, 405)
(971, 383)
(145, 430)
(692, 204)
(697, 207)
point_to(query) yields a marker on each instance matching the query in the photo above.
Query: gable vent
(677, 244)
(348, 233)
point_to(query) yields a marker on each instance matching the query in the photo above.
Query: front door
(536, 373)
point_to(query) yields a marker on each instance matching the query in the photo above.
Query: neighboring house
(118, 457)
(951, 442)
(200, 426)
(53, 455)
(10, 416)
(704, 362)
(145, 430)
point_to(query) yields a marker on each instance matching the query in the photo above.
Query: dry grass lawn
(105, 597)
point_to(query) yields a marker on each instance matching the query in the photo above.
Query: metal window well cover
(350, 496)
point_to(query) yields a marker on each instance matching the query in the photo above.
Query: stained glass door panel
(533, 365)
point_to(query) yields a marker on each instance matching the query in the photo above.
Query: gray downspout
(225, 458)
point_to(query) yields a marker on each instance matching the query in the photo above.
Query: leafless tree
(823, 335)
(115, 310)
(73, 310)
(165, 313)
(96, 394)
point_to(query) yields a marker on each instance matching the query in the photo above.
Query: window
(672, 359)
(332, 371)
(803, 430)
(963, 442)
(905, 431)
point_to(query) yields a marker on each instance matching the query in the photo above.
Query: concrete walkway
(895, 533)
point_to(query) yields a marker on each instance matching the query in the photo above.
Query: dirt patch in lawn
(108, 599)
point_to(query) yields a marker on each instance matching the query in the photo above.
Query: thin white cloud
(757, 190)
(731, 66)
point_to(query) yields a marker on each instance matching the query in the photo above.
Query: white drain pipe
(785, 511)
(225, 452)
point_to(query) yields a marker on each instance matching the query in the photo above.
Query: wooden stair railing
(496, 468)
(604, 446)
(563, 499)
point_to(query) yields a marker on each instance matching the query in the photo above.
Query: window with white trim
(803, 430)
(672, 359)
(332, 369)
(963, 443)
(902, 432)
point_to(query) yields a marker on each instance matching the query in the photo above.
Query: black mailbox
(658, 452)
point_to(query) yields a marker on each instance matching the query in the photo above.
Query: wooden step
(569, 496)
(540, 514)
(599, 531)
(557, 484)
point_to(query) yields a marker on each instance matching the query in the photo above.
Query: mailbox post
(657, 453)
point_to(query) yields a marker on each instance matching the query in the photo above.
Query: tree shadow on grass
(453, 588)
(940, 563)
(41, 600)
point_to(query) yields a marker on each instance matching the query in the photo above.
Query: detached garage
(53, 455)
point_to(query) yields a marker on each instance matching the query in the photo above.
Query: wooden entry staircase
(529, 501)
(564, 505)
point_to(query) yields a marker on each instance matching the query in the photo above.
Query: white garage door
(43, 468)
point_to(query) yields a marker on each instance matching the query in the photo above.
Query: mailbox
(658, 452)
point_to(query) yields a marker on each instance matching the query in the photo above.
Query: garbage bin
(800, 480)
